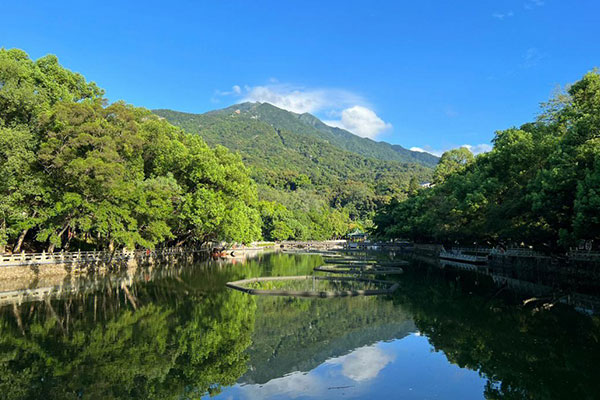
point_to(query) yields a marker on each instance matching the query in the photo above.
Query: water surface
(176, 332)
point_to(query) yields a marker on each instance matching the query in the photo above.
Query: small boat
(218, 253)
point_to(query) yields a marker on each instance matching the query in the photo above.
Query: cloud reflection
(346, 372)
(364, 363)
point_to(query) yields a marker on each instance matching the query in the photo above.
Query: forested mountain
(310, 125)
(78, 172)
(301, 166)
(539, 185)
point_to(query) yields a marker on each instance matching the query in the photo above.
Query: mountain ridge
(344, 139)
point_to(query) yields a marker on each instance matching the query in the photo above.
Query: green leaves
(452, 161)
(306, 166)
(539, 185)
(74, 170)
(32, 87)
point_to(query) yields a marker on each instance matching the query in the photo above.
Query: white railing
(8, 260)
(584, 255)
(482, 250)
(516, 252)
(455, 255)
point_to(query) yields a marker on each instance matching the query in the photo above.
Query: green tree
(74, 169)
(452, 161)
(538, 185)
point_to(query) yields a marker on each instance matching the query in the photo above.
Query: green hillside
(310, 125)
(301, 167)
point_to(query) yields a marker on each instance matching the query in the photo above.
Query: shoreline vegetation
(78, 173)
(539, 186)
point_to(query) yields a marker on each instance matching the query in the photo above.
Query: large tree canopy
(539, 185)
(76, 170)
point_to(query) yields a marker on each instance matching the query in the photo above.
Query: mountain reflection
(294, 334)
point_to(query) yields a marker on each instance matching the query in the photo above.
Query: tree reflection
(183, 335)
(172, 338)
(524, 353)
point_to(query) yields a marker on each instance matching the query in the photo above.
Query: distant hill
(310, 125)
(300, 162)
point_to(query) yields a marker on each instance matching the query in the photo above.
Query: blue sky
(428, 74)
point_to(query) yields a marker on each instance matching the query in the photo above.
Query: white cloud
(295, 384)
(475, 149)
(346, 109)
(352, 371)
(478, 148)
(235, 90)
(503, 15)
(531, 58)
(363, 364)
(301, 100)
(531, 4)
(361, 121)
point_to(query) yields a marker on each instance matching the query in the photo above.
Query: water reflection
(179, 333)
(404, 368)
(293, 334)
(167, 338)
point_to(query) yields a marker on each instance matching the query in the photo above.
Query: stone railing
(584, 255)
(517, 252)
(82, 257)
(479, 250)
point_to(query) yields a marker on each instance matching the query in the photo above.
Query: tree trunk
(182, 241)
(18, 318)
(52, 246)
(2, 234)
(17, 248)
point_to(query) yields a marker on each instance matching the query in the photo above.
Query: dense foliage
(312, 186)
(157, 339)
(539, 185)
(75, 170)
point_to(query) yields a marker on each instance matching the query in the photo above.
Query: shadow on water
(179, 333)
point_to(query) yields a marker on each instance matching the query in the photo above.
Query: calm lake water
(178, 333)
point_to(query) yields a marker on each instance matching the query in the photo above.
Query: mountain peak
(309, 124)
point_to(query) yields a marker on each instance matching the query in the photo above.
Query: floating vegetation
(313, 286)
